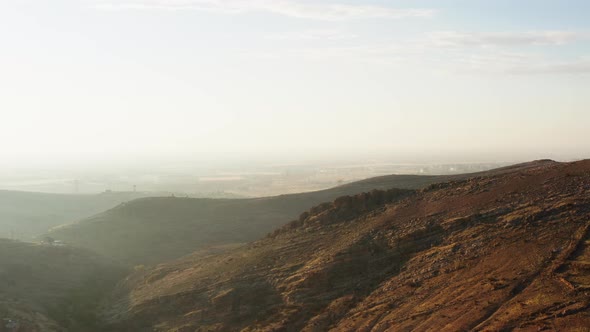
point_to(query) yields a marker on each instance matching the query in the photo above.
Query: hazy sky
(90, 80)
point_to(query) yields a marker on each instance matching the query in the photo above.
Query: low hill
(501, 251)
(153, 230)
(51, 288)
(24, 215)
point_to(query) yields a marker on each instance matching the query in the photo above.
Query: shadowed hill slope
(50, 288)
(27, 214)
(153, 230)
(503, 251)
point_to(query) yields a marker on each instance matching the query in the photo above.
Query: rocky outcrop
(344, 208)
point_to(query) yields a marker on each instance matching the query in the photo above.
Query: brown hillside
(154, 230)
(502, 251)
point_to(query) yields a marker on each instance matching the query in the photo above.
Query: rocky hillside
(501, 251)
(154, 230)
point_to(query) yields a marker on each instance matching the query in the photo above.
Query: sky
(99, 81)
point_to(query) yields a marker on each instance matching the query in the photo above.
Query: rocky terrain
(505, 250)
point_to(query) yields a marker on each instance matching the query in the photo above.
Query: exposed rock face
(508, 251)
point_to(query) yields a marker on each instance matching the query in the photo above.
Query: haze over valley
(294, 165)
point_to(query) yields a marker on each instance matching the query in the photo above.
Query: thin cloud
(494, 39)
(577, 67)
(382, 55)
(510, 63)
(460, 61)
(310, 35)
(290, 8)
